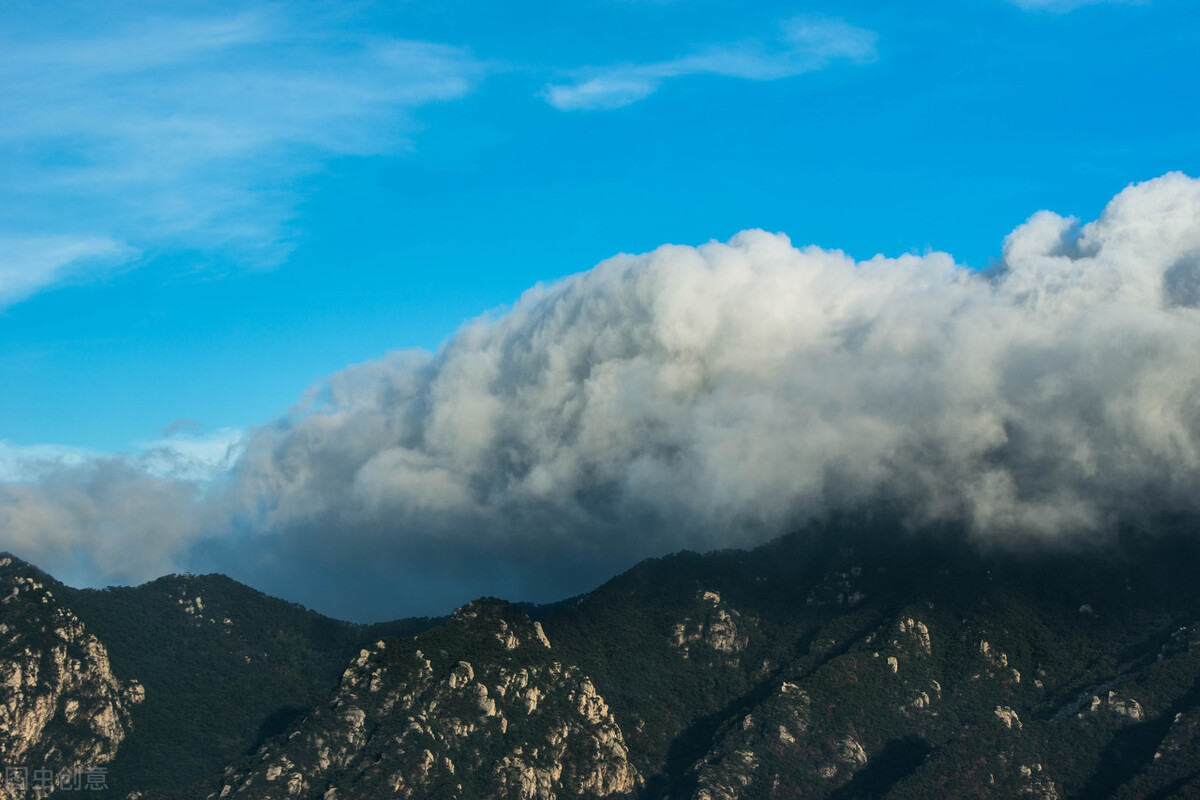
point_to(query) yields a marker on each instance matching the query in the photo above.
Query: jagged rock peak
(61, 707)
(478, 707)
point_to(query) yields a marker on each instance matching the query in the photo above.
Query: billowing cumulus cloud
(718, 395)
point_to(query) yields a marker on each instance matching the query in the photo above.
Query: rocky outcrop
(733, 768)
(1007, 717)
(919, 633)
(476, 708)
(1035, 783)
(61, 707)
(1124, 706)
(715, 624)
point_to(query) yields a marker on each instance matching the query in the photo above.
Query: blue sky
(208, 207)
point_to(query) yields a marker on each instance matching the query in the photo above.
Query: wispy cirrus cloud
(190, 132)
(804, 45)
(1063, 6)
(30, 263)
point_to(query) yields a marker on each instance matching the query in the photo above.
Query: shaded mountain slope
(848, 660)
(850, 653)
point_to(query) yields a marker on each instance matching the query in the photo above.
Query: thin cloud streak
(30, 264)
(805, 45)
(1064, 6)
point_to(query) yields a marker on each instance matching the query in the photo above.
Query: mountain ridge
(848, 659)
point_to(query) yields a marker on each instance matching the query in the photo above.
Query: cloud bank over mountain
(705, 397)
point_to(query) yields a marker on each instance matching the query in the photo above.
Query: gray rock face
(476, 708)
(61, 707)
(730, 769)
(717, 625)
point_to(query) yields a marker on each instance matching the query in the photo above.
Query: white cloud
(710, 396)
(191, 455)
(804, 45)
(25, 463)
(192, 132)
(99, 517)
(699, 396)
(29, 264)
(187, 454)
(1063, 6)
(101, 520)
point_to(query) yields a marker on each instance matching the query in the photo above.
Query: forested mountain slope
(851, 659)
